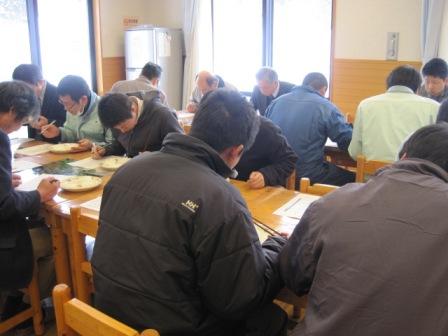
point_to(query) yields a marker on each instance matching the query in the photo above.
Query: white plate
(65, 148)
(114, 163)
(81, 183)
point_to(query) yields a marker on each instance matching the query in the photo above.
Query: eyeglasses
(66, 105)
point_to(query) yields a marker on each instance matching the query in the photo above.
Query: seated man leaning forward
(137, 125)
(269, 161)
(82, 124)
(176, 248)
(372, 256)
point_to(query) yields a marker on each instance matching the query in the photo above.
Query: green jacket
(86, 126)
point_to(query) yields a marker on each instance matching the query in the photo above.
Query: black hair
(225, 119)
(151, 71)
(435, 67)
(429, 143)
(268, 74)
(113, 109)
(29, 73)
(316, 80)
(404, 75)
(443, 111)
(19, 97)
(73, 86)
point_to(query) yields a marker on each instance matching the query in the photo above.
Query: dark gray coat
(373, 257)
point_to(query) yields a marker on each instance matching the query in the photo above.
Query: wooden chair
(291, 181)
(74, 317)
(81, 226)
(34, 312)
(364, 167)
(315, 189)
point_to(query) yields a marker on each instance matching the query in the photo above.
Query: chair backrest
(74, 317)
(291, 181)
(364, 167)
(81, 225)
(315, 189)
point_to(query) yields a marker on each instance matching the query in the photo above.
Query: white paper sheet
(296, 207)
(32, 184)
(19, 165)
(94, 204)
(34, 150)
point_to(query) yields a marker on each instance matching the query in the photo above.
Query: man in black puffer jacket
(176, 248)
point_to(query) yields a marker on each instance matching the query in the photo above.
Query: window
(292, 36)
(64, 39)
(14, 37)
(54, 34)
(302, 38)
(237, 36)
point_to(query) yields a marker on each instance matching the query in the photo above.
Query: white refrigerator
(162, 46)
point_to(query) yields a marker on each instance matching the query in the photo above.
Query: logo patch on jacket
(190, 205)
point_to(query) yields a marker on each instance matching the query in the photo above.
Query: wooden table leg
(60, 251)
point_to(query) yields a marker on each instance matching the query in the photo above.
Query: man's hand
(192, 107)
(42, 121)
(50, 131)
(48, 188)
(98, 152)
(256, 180)
(85, 144)
(16, 180)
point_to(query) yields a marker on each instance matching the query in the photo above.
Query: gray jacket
(373, 257)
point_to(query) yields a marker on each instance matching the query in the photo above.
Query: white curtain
(432, 19)
(443, 45)
(198, 42)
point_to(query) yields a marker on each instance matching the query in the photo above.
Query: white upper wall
(443, 51)
(163, 13)
(362, 26)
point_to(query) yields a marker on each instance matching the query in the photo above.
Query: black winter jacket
(176, 248)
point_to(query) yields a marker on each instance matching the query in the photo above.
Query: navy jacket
(261, 102)
(51, 109)
(307, 119)
(16, 256)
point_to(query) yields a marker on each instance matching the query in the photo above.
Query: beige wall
(362, 26)
(165, 13)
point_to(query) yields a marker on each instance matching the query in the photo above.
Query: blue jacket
(307, 119)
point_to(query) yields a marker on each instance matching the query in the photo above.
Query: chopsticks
(44, 128)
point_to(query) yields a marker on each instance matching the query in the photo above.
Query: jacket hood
(196, 150)
(417, 166)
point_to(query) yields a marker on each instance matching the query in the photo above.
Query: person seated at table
(435, 76)
(176, 248)
(50, 107)
(82, 125)
(206, 82)
(372, 256)
(307, 119)
(267, 89)
(137, 125)
(269, 161)
(147, 81)
(442, 115)
(383, 122)
(21, 238)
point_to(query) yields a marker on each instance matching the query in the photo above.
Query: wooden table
(261, 203)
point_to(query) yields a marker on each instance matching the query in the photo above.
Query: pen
(44, 128)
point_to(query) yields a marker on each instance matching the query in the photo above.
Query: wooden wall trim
(354, 80)
(113, 71)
